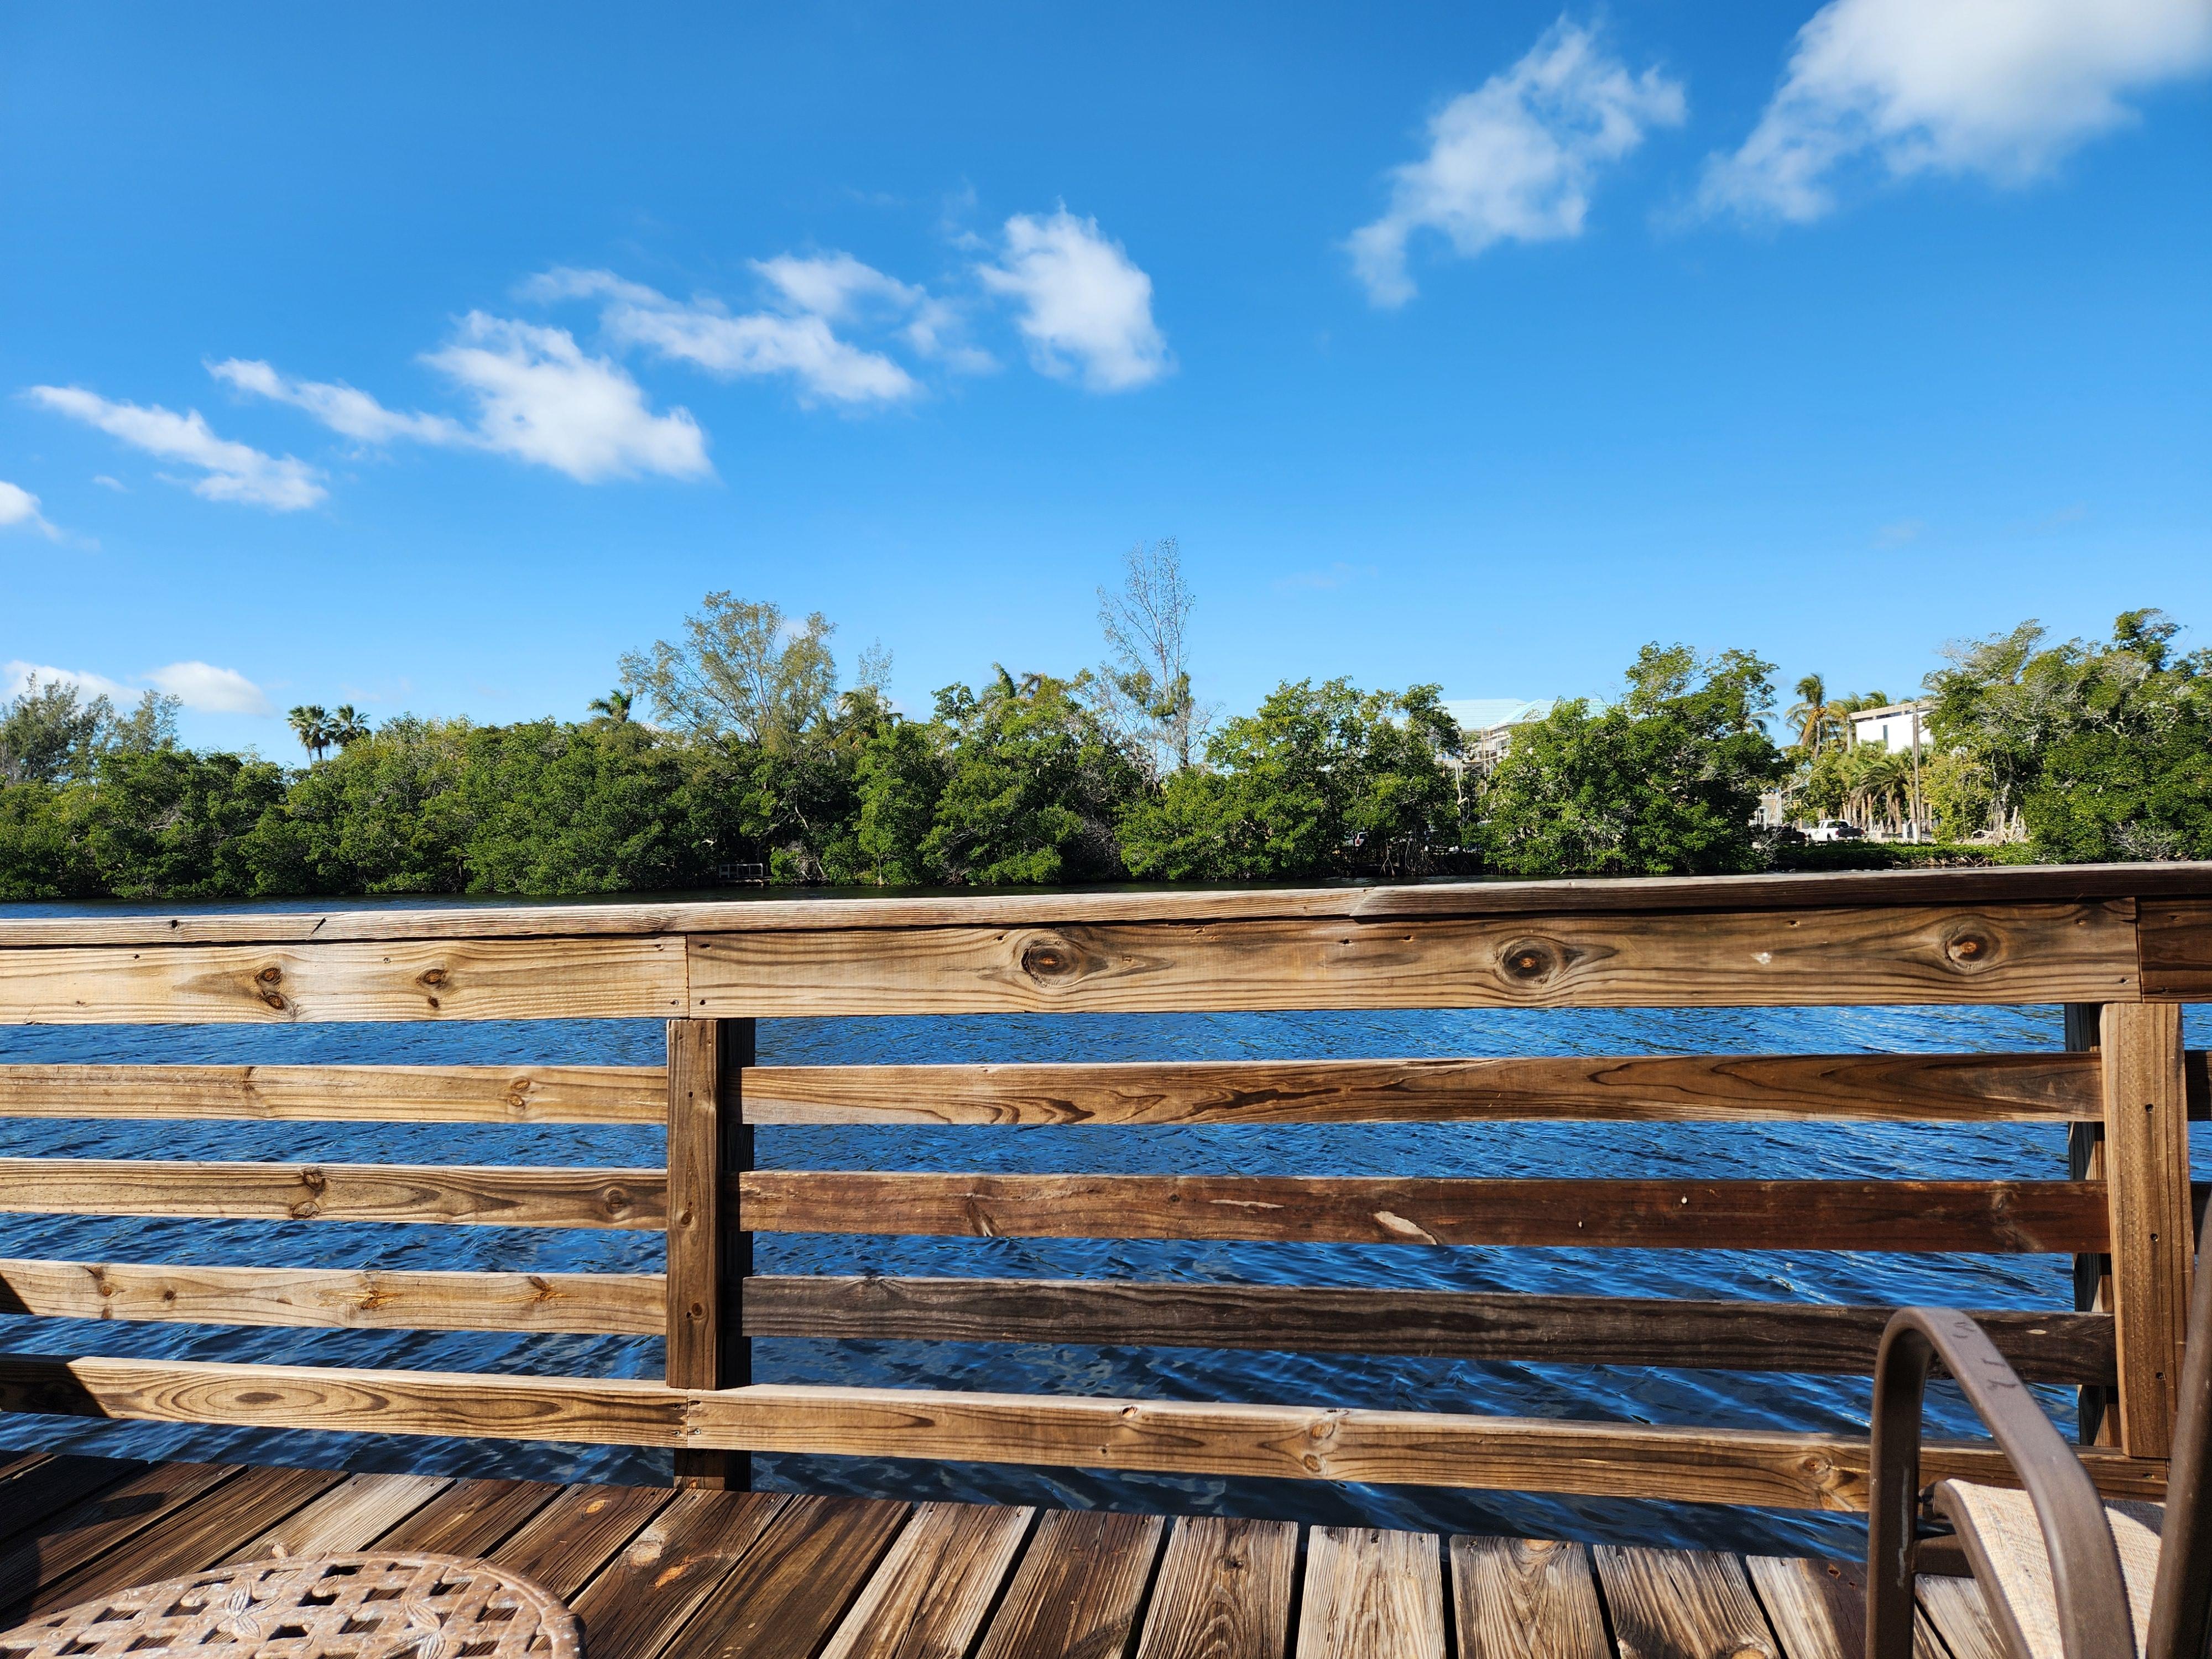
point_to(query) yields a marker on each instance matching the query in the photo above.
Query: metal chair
(2066, 1575)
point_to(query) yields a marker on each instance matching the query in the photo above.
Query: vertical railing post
(709, 1259)
(2096, 1423)
(2147, 1176)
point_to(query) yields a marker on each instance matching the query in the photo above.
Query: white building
(1488, 723)
(1899, 726)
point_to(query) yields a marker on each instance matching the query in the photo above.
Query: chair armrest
(2093, 1620)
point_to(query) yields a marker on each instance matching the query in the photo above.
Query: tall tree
(615, 706)
(1144, 690)
(742, 669)
(52, 732)
(310, 723)
(1810, 714)
(347, 727)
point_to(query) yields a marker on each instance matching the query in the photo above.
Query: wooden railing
(2121, 946)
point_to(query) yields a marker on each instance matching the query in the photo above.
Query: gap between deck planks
(697, 1574)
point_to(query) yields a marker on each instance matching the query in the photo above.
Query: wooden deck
(662, 1574)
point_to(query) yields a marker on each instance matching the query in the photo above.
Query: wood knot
(617, 1200)
(269, 975)
(1051, 959)
(1970, 949)
(1529, 961)
(431, 977)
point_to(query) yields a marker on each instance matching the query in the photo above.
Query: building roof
(1876, 714)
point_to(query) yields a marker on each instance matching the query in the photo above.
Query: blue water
(1772, 1150)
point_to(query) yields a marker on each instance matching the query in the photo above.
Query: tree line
(742, 741)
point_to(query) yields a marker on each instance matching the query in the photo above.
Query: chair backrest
(2182, 1604)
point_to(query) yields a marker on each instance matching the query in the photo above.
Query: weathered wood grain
(492, 1195)
(429, 979)
(57, 1544)
(197, 1536)
(1521, 1598)
(353, 1515)
(1999, 1217)
(646, 1592)
(1667, 1603)
(2175, 938)
(1078, 1587)
(470, 1517)
(36, 1486)
(377, 1094)
(2016, 885)
(615, 1304)
(1956, 1608)
(1371, 1594)
(941, 1576)
(792, 1587)
(572, 1537)
(1592, 1330)
(2153, 1242)
(1993, 954)
(709, 1255)
(1683, 1087)
(1759, 1467)
(1222, 1591)
(1818, 1609)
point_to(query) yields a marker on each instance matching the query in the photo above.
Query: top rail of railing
(2084, 933)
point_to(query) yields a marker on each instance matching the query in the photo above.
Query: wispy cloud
(199, 686)
(2002, 89)
(19, 508)
(539, 397)
(1515, 159)
(1087, 308)
(202, 686)
(798, 341)
(1901, 532)
(230, 471)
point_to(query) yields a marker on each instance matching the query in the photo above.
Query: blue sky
(429, 358)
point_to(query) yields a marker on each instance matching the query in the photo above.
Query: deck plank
(648, 1591)
(927, 1599)
(1223, 1591)
(1522, 1598)
(1818, 1609)
(198, 1535)
(1076, 1593)
(34, 1489)
(794, 1586)
(1681, 1604)
(50, 1549)
(470, 1517)
(351, 1516)
(1956, 1608)
(572, 1537)
(1373, 1595)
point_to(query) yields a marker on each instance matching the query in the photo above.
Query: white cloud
(211, 690)
(1515, 160)
(798, 342)
(18, 506)
(349, 412)
(1087, 310)
(15, 678)
(233, 472)
(2000, 88)
(115, 484)
(540, 398)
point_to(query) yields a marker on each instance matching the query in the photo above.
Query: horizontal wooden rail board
(1770, 1468)
(1571, 1330)
(2176, 939)
(1997, 1216)
(429, 979)
(611, 1304)
(442, 1094)
(1992, 954)
(502, 1195)
(2017, 884)
(1916, 1087)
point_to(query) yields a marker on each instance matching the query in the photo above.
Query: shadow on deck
(662, 1574)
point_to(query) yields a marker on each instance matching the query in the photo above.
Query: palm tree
(1810, 713)
(347, 727)
(313, 724)
(614, 705)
